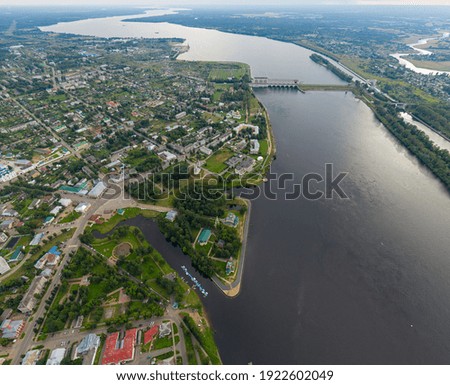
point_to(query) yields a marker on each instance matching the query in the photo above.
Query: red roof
(117, 351)
(149, 334)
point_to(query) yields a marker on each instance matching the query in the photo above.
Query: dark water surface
(338, 281)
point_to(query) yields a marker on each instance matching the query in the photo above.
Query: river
(419, 51)
(359, 281)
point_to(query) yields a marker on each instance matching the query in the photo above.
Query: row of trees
(416, 141)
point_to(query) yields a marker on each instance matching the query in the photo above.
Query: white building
(31, 357)
(254, 146)
(4, 267)
(167, 156)
(29, 300)
(65, 202)
(56, 357)
(56, 210)
(37, 239)
(88, 343)
(82, 207)
(3, 237)
(97, 190)
(205, 150)
(238, 129)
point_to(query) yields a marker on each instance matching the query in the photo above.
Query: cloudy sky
(151, 3)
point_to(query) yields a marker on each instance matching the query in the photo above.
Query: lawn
(263, 147)
(70, 218)
(216, 162)
(161, 343)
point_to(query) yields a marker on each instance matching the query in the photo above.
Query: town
(75, 124)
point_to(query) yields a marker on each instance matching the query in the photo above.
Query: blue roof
(54, 250)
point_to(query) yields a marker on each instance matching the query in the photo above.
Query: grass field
(70, 218)
(216, 163)
(227, 71)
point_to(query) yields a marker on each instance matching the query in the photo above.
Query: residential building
(171, 215)
(55, 211)
(4, 267)
(29, 301)
(37, 239)
(238, 129)
(10, 213)
(7, 224)
(254, 146)
(231, 220)
(205, 150)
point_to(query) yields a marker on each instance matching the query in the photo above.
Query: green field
(70, 218)
(216, 163)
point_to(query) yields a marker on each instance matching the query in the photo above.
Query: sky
(153, 3)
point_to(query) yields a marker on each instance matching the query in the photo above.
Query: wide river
(358, 281)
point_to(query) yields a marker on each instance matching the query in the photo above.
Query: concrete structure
(11, 329)
(29, 301)
(165, 330)
(56, 356)
(4, 267)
